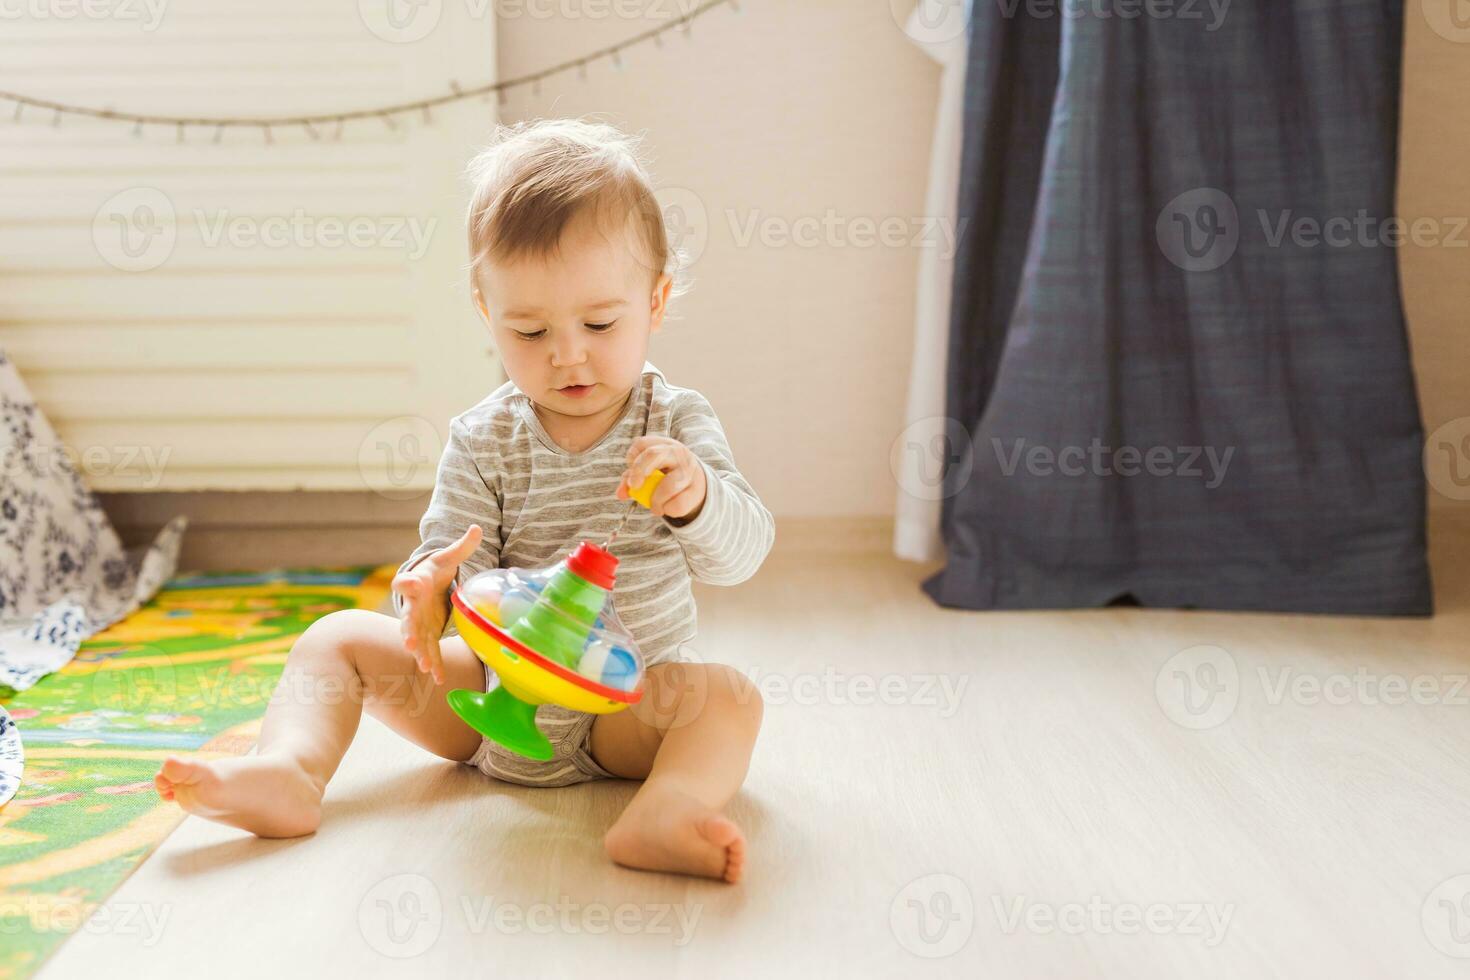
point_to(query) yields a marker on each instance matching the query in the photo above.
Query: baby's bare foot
(669, 830)
(266, 795)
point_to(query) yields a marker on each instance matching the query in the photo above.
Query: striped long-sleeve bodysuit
(535, 501)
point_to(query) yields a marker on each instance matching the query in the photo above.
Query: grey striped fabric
(535, 501)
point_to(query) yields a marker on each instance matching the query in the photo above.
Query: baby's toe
(177, 770)
(725, 834)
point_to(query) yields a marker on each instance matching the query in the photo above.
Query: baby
(572, 271)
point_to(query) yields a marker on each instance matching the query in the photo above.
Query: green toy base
(502, 717)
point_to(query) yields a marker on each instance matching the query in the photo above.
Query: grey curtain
(1175, 391)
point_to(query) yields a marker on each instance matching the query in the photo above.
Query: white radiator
(242, 314)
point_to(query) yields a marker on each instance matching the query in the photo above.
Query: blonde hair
(535, 177)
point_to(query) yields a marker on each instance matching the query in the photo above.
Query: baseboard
(258, 529)
(851, 535)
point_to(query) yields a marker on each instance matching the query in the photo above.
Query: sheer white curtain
(938, 27)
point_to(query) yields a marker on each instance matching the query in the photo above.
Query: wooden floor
(1124, 792)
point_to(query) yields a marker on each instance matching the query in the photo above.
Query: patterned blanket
(64, 574)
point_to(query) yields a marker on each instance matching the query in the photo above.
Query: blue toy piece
(609, 665)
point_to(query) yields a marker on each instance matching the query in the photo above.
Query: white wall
(1434, 183)
(269, 368)
(779, 112)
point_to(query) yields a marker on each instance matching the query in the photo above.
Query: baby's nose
(566, 351)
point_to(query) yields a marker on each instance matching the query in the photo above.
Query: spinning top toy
(552, 636)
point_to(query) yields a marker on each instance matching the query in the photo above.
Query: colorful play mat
(192, 672)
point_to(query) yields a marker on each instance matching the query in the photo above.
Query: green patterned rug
(191, 672)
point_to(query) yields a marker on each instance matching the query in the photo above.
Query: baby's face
(572, 329)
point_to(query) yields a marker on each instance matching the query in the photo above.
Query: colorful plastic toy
(552, 636)
(644, 494)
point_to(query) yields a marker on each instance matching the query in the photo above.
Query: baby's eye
(600, 327)
(529, 336)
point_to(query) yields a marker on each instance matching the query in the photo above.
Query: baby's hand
(681, 493)
(423, 589)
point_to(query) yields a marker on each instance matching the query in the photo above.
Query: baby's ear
(480, 302)
(659, 303)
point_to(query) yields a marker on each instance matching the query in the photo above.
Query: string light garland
(310, 123)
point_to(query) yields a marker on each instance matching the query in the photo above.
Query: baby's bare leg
(344, 662)
(690, 740)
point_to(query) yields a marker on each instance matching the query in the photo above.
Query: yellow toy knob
(644, 494)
